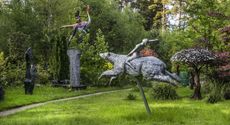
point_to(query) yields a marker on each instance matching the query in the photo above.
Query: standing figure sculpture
(30, 72)
(79, 25)
(2, 92)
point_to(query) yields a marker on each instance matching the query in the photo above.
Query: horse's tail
(173, 76)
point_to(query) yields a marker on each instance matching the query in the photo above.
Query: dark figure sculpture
(1, 93)
(30, 72)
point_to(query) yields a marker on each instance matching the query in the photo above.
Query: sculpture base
(74, 59)
(80, 87)
(60, 83)
(28, 86)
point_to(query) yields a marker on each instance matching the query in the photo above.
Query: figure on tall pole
(79, 26)
(74, 54)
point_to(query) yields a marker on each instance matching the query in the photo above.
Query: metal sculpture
(136, 52)
(149, 67)
(30, 72)
(79, 25)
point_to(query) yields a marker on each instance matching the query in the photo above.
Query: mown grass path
(18, 109)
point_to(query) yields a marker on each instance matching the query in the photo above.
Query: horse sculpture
(149, 67)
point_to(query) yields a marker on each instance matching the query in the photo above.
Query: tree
(121, 30)
(196, 59)
(202, 27)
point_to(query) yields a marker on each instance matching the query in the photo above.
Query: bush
(42, 76)
(135, 89)
(12, 75)
(163, 91)
(214, 97)
(130, 96)
(226, 92)
(207, 87)
(216, 93)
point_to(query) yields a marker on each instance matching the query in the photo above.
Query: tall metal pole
(143, 96)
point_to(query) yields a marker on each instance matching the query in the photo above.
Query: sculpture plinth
(74, 59)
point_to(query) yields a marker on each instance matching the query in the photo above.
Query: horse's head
(106, 55)
(112, 57)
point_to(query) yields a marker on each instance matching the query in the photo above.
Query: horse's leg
(110, 73)
(173, 76)
(163, 78)
(111, 79)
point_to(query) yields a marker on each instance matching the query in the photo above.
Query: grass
(115, 109)
(15, 97)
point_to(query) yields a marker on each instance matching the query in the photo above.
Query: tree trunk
(177, 69)
(191, 80)
(197, 93)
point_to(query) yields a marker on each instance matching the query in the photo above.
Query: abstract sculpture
(2, 92)
(30, 72)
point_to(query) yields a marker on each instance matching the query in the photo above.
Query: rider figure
(79, 25)
(135, 53)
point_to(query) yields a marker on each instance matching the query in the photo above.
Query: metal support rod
(143, 96)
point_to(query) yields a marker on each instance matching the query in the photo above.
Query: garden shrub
(214, 97)
(135, 89)
(227, 94)
(216, 94)
(226, 91)
(131, 96)
(12, 75)
(163, 91)
(42, 76)
(207, 87)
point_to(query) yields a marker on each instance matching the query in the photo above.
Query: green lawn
(114, 109)
(15, 97)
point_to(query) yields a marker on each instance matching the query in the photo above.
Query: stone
(74, 59)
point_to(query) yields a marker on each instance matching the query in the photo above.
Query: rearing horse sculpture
(149, 67)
